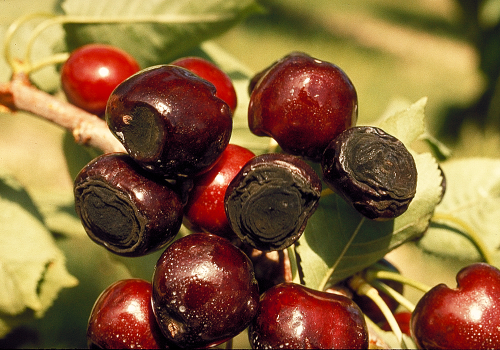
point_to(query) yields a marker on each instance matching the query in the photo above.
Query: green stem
(346, 247)
(372, 275)
(468, 232)
(293, 261)
(393, 294)
(361, 287)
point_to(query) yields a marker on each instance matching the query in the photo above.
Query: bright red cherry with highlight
(212, 73)
(303, 103)
(205, 207)
(92, 72)
(466, 317)
(292, 316)
(122, 318)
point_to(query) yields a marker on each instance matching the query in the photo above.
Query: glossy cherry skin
(296, 317)
(170, 121)
(92, 72)
(204, 291)
(467, 317)
(212, 73)
(205, 207)
(122, 318)
(303, 103)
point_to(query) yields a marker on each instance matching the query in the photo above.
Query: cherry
(372, 170)
(212, 73)
(270, 200)
(204, 291)
(92, 72)
(122, 318)
(205, 207)
(303, 103)
(124, 208)
(294, 316)
(170, 121)
(467, 317)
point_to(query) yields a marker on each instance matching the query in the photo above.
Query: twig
(87, 129)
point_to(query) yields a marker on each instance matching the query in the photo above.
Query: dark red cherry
(204, 291)
(466, 317)
(292, 316)
(122, 318)
(170, 121)
(205, 207)
(124, 208)
(92, 72)
(303, 103)
(212, 73)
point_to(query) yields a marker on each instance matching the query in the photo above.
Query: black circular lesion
(270, 204)
(109, 217)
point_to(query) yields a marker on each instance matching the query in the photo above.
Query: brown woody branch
(87, 129)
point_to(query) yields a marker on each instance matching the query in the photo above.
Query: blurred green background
(392, 50)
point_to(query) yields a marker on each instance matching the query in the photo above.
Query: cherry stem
(362, 287)
(468, 232)
(372, 274)
(87, 129)
(346, 247)
(393, 294)
(292, 258)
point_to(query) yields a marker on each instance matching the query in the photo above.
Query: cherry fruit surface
(292, 316)
(122, 318)
(205, 207)
(170, 121)
(124, 208)
(467, 317)
(212, 73)
(303, 103)
(92, 72)
(204, 291)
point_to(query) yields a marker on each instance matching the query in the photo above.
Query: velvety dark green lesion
(271, 205)
(109, 216)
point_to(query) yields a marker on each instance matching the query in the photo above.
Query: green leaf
(154, 32)
(32, 268)
(471, 205)
(338, 241)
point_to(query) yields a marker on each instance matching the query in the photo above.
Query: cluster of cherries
(175, 123)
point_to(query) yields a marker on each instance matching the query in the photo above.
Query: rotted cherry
(170, 121)
(124, 208)
(372, 170)
(205, 207)
(92, 72)
(212, 73)
(122, 318)
(204, 291)
(466, 317)
(270, 200)
(303, 103)
(292, 316)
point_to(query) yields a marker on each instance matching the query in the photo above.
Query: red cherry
(210, 72)
(92, 72)
(205, 207)
(122, 318)
(403, 320)
(296, 317)
(467, 317)
(303, 103)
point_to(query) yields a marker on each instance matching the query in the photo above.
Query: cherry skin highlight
(212, 73)
(466, 317)
(122, 318)
(92, 72)
(293, 316)
(303, 103)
